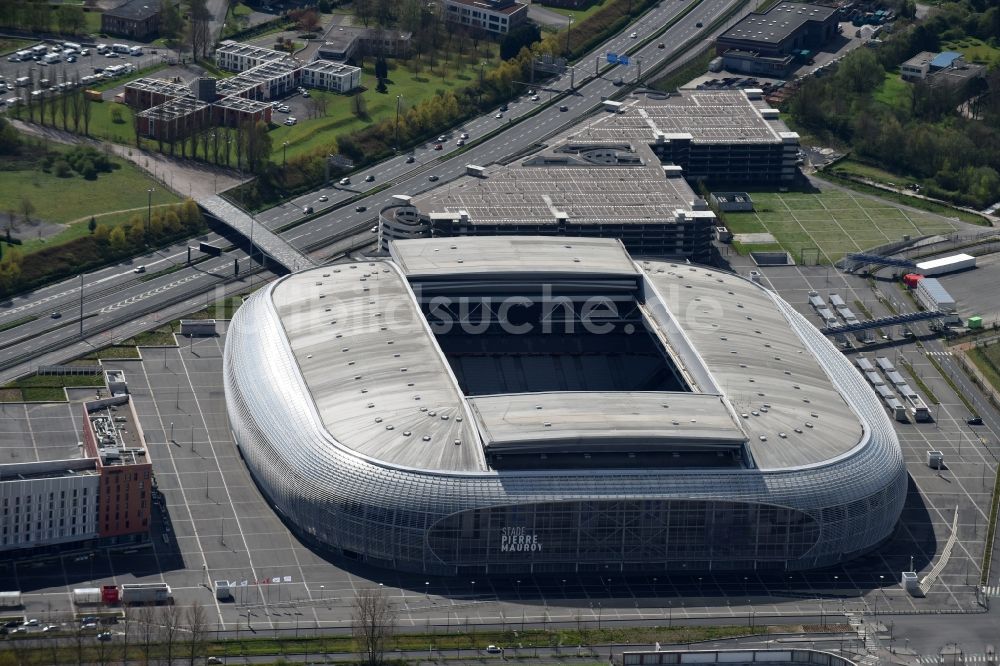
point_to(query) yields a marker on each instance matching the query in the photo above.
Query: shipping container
(957, 262)
(10, 599)
(87, 596)
(110, 595)
(145, 593)
(474, 170)
(974, 322)
(912, 279)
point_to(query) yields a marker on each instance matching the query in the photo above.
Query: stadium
(508, 405)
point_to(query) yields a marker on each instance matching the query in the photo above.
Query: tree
(27, 209)
(381, 68)
(198, 27)
(10, 142)
(70, 19)
(117, 240)
(359, 106)
(373, 621)
(86, 109)
(169, 620)
(92, 225)
(524, 35)
(171, 21)
(197, 624)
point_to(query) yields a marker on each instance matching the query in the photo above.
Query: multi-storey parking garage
(516, 404)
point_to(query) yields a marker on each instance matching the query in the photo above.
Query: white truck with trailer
(943, 265)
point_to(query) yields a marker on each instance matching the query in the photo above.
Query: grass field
(64, 200)
(578, 14)
(10, 44)
(975, 50)
(340, 117)
(894, 92)
(832, 221)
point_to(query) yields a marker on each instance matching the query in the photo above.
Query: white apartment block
(328, 75)
(48, 503)
(237, 57)
(498, 16)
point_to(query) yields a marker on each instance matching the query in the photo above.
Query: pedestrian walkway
(957, 658)
(266, 241)
(991, 590)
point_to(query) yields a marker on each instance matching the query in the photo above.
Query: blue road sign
(612, 57)
(622, 60)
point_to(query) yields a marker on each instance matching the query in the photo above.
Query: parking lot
(217, 526)
(84, 65)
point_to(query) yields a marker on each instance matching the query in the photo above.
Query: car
(361, 209)
(12, 623)
(465, 135)
(661, 45)
(460, 142)
(104, 636)
(88, 625)
(55, 315)
(305, 94)
(110, 54)
(141, 268)
(50, 627)
(698, 24)
(70, 58)
(499, 114)
(33, 622)
(634, 35)
(374, 230)
(493, 649)
(433, 179)
(307, 209)
(323, 197)
(344, 181)
(214, 660)
(284, 108)
(369, 179)
(564, 108)
(531, 92)
(438, 147)
(442, 138)
(86, 52)
(534, 98)
(503, 107)
(974, 420)
(19, 630)
(410, 159)
(88, 618)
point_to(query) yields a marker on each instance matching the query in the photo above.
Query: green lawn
(9, 45)
(832, 222)
(340, 117)
(93, 19)
(975, 50)
(578, 14)
(894, 92)
(64, 200)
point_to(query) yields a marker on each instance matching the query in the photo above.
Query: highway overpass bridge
(269, 243)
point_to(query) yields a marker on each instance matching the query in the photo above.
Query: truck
(86, 596)
(474, 170)
(223, 590)
(10, 599)
(145, 593)
(612, 106)
(121, 48)
(943, 265)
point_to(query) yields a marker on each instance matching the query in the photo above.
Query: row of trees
(104, 244)
(42, 16)
(928, 131)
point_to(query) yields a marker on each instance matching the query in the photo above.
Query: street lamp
(284, 153)
(149, 210)
(569, 29)
(395, 142)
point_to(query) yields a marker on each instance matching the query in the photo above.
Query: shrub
(62, 169)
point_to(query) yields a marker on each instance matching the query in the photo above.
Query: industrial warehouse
(524, 404)
(619, 175)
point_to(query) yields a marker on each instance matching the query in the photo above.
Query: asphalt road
(116, 296)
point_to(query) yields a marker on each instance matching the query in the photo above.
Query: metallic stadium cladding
(439, 522)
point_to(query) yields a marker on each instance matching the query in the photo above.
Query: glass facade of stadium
(554, 520)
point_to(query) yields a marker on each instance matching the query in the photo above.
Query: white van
(71, 46)
(120, 48)
(101, 48)
(40, 49)
(52, 58)
(23, 55)
(135, 50)
(22, 81)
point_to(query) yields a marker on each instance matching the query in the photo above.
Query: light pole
(284, 153)
(149, 211)
(395, 141)
(569, 29)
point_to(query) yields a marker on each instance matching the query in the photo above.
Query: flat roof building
(135, 19)
(344, 42)
(237, 57)
(764, 43)
(333, 76)
(508, 405)
(498, 16)
(101, 498)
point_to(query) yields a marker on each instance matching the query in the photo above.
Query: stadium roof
(778, 23)
(498, 255)
(383, 387)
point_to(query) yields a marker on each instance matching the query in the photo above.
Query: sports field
(832, 222)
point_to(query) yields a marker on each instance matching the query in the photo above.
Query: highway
(116, 296)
